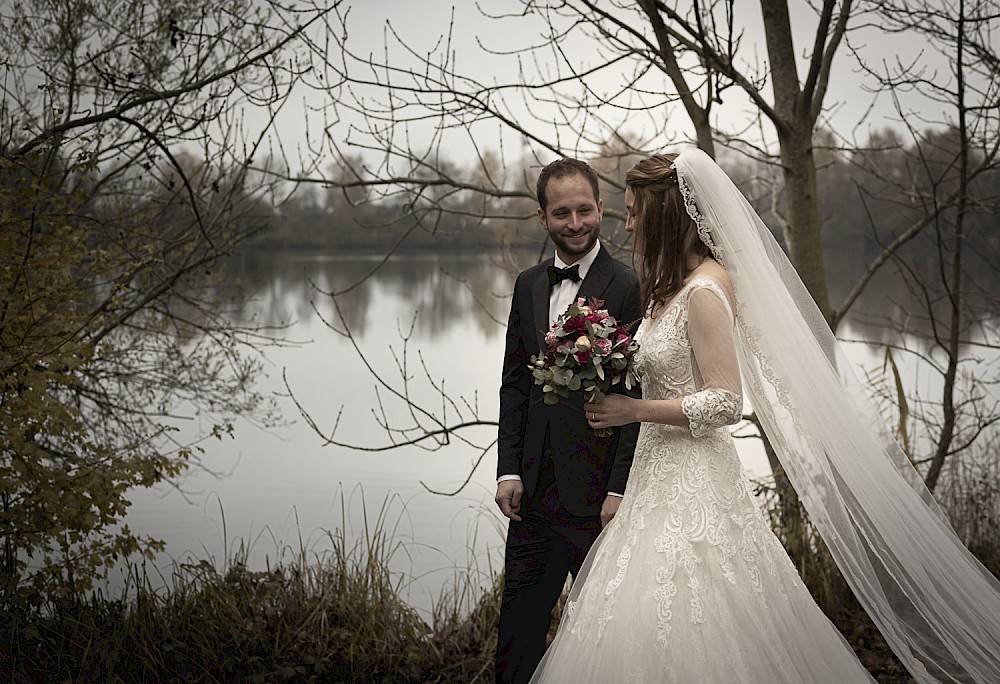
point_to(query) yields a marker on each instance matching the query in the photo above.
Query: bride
(688, 583)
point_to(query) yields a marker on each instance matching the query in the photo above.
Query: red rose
(583, 356)
(577, 324)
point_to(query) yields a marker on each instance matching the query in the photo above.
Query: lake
(277, 491)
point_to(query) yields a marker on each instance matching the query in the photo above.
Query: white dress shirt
(564, 293)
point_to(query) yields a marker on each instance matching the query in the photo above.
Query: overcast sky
(424, 24)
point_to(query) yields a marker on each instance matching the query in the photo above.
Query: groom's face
(572, 216)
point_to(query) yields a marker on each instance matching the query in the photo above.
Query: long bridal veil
(936, 605)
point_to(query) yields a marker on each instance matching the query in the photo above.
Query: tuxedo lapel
(598, 277)
(540, 306)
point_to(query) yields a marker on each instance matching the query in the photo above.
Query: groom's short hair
(561, 168)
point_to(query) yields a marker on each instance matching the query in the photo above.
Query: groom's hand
(609, 509)
(508, 498)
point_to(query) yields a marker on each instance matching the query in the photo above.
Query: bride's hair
(665, 235)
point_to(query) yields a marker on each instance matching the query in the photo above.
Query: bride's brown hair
(665, 235)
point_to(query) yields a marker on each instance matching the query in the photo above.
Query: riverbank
(337, 619)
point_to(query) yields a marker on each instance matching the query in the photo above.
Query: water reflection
(896, 310)
(441, 290)
(286, 482)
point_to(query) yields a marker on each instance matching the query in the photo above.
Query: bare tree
(604, 80)
(949, 182)
(558, 104)
(125, 175)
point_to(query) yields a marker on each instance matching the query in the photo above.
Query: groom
(557, 482)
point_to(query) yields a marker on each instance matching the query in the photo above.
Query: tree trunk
(791, 527)
(703, 131)
(803, 230)
(947, 434)
(794, 121)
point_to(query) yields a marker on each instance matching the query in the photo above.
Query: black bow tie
(557, 275)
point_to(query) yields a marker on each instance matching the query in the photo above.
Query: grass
(336, 617)
(341, 616)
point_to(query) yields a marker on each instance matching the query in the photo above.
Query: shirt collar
(584, 262)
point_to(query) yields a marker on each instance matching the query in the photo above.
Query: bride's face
(629, 205)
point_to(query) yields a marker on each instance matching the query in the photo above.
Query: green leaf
(562, 376)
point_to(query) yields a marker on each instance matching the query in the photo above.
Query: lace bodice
(687, 351)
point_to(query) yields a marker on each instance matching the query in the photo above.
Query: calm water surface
(279, 491)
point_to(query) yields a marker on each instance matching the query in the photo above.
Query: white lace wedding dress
(688, 584)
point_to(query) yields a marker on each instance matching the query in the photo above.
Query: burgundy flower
(577, 324)
(571, 350)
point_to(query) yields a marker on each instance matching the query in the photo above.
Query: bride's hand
(613, 410)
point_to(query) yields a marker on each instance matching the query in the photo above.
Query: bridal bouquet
(586, 349)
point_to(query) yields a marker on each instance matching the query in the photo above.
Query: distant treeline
(867, 198)
(334, 221)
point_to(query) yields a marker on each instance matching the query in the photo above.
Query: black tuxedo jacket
(586, 467)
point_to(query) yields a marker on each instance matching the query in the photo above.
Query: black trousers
(547, 544)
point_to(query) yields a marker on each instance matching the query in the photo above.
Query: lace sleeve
(719, 399)
(710, 409)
